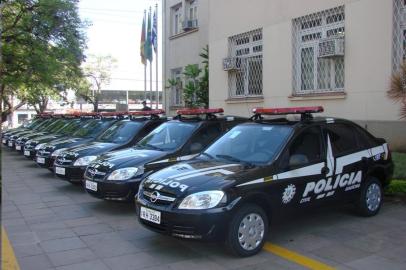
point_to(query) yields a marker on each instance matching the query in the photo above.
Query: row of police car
(202, 175)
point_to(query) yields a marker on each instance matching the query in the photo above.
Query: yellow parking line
(8, 259)
(296, 258)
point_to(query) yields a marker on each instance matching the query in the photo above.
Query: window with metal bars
(313, 74)
(399, 33)
(246, 80)
(176, 90)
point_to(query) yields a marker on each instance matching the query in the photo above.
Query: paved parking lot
(52, 224)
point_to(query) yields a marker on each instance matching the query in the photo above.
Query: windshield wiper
(207, 155)
(147, 145)
(234, 159)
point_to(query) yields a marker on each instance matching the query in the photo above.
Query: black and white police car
(231, 190)
(116, 175)
(71, 164)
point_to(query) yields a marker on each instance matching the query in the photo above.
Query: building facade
(185, 34)
(280, 53)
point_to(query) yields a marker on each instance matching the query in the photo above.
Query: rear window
(343, 139)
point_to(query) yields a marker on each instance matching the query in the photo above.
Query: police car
(25, 127)
(33, 145)
(71, 163)
(10, 139)
(46, 154)
(233, 188)
(57, 125)
(116, 175)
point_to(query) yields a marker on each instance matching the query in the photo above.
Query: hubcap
(251, 231)
(373, 197)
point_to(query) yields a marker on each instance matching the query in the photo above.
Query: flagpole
(145, 64)
(150, 65)
(156, 55)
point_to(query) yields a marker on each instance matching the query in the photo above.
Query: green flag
(148, 44)
(142, 43)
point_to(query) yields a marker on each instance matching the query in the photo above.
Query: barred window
(311, 73)
(399, 33)
(246, 80)
(176, 90)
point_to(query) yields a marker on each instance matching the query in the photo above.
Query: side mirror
(297, 160)
(196, 147)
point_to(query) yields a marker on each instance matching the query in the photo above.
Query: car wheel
(247, 231)
(370, 201)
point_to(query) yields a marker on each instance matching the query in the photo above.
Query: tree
(97, 73)
(42, 44)
(196, 88)
(397, 90)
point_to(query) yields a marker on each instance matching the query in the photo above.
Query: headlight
(57, 152)
(39, 146)
(84, 161)
(203, 200)
(125, 173)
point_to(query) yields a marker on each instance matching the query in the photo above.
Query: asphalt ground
(51, 224)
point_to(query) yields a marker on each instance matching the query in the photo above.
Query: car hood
(92, 148)
(66, 142)
(31, 136)
(44, 138)
(194, 176)
(129, 157)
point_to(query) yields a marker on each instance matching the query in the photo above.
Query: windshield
(34, 122)
(121, 132)
(57, 124)
(168, 136)
(92, 128)
(71, 127)
(254, 144)
(43, 124)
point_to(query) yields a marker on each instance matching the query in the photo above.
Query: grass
(396, 187)
(399, 159)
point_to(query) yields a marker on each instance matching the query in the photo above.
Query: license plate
(59, 170)
(18, 147)
(41, 160)
(91, 185)
(4, 140)
(150, 215)
(27, 153)
(10, 144)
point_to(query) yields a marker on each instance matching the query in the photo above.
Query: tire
(246, 213)
(372, 192)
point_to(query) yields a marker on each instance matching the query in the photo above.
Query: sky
(116, 30)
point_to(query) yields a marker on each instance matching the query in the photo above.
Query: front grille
(94, 173)
(62, 160)
(157, 197)
(176, 229)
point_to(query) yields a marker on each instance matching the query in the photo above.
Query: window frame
(176, 19)
(176, 91)
(321, 29)
(248, 47)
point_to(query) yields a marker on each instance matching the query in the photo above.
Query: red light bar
(145, 113)
(291, 110)
(198, 111)
(112, 113)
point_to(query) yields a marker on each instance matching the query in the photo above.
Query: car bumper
(29, 153)
(208, 224)
(45, 162)
(114, 191)
(69, 173)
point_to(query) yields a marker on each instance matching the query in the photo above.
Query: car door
(350, 159)
(302, 168)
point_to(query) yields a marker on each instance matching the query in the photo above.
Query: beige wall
(368, 52)
(185, 48)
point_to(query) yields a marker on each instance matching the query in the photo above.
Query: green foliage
(42, 47)
(396, 187)
(196, 87)
(399, 160)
